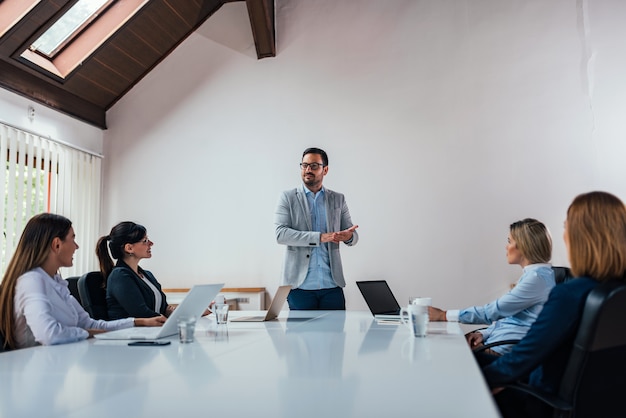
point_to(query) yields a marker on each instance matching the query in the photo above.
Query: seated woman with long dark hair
(36, 306)
(130, 290)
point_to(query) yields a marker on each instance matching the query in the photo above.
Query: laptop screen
(379, 297)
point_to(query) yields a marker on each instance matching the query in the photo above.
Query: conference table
(305, 364)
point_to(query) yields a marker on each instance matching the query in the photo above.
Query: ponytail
(102, 251)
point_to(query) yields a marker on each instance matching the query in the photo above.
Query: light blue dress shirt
(511, 315)
(319, 275)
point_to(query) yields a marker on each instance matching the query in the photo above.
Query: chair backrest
(2, 342)
(72, 284)
(93, 294)
(561, 274)
(595, 378)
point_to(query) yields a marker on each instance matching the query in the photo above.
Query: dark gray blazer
(294, 229)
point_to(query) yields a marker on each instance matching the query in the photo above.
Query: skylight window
(77, 18)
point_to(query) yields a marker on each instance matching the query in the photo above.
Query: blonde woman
(595, 238)
(529, 245)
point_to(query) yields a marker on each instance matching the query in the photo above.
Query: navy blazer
(129, 296)
(543, 353)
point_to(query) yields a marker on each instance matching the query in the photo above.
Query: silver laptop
(272, 313)
(194, 304)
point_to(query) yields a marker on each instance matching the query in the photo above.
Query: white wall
(49, 123)
(445, 121)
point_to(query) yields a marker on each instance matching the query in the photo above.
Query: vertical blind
(42, 175)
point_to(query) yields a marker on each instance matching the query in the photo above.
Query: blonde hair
(596, 232)
(31, 252)
(533, 240)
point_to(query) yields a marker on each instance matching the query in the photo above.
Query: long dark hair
(31, 252)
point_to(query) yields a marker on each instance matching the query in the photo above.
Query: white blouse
(157, 295)
(46, 313)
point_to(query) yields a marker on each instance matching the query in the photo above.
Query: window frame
(70, 37)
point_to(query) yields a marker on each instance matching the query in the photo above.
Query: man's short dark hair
(319, 152)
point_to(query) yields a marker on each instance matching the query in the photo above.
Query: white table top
(340, 364)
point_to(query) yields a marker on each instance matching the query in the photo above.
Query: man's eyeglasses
(312, 166)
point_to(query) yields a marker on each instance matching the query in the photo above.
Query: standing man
(311, 221)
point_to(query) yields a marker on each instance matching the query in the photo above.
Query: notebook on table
(194, 304)
(380, 299)
(274, 310)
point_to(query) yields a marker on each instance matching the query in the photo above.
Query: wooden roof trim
(108, 71)
(83, 46)
(263, 24)
(12, 11)
(34, 88)
(209, 7)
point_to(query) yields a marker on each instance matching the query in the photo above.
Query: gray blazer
(294, 229)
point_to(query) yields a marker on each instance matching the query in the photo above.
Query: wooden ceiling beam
(34, 88)
(262, 20)
(122, 61)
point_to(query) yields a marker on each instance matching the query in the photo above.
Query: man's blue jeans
(322, 299)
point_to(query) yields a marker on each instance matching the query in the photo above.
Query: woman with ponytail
(131, 290)
(36, 307)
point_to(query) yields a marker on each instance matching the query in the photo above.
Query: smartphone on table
(148, 343)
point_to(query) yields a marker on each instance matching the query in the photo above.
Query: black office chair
(93, 294)
(594, 381)
(2, 343)
(72, 284)
(561, 275)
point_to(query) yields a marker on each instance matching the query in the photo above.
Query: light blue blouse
(512, 315)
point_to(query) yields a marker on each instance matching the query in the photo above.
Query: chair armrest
(486, 346)
(547, 398)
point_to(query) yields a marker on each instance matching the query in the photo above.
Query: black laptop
(380, 299)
